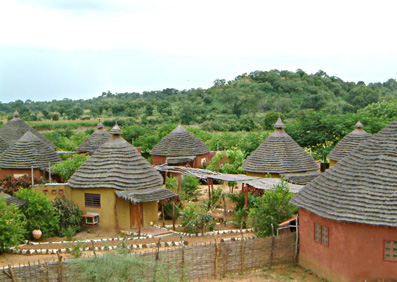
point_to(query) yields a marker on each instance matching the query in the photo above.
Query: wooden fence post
(224, 209)
(60, 278)
(183, 259)
(10, 273)
(216, 258)
(272, 248)
(93, 247)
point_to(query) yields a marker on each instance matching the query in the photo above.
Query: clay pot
(37, 234)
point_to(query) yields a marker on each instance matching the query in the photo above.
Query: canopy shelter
(253, 181)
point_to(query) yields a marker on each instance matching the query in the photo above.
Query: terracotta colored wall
(158, 160)
(354, 252)
(37, 173)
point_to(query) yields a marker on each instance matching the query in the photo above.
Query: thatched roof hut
(3, 145)
(280, 154)
(29, 151)
(118, 165)
(16, 127)
(349, 143)
(94, 141)
(360, 188)
(179, 143)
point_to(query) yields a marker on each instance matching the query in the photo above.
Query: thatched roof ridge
(349, 143)
(116, 165)
(180, 142)
(16, 127)
(279, 153)
(362, 187)
(301, 178)
(27, 151)
(94, 141)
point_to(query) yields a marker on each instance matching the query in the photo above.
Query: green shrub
(39, 212)
(196, 218)
(12, 225)
(113, 266)
(272, 208)
(69, 214)
(190, 188)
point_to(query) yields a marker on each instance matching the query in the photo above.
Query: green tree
(196, 218)
(12, 225)
(69, 166)
(272, 208)
(39, 212)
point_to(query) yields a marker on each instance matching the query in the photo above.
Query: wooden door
(135, 215)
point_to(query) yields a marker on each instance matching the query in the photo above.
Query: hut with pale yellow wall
(348, 143)
(118, 185)
(279, 155)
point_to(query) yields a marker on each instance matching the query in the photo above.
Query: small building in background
(348, 215)
(348, 144)
(14, 129)
(279, 155)
(181, 148)
(117, 186)
(29, 152)
(94, 141)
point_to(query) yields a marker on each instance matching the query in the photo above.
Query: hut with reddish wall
(348, 215)
(28, 153)
(181, 148)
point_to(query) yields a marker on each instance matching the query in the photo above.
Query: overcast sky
(55, 49)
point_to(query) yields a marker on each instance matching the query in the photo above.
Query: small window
(390, 250)
(92, 200)
(54, 191)
(60, 191)
(45, 191)
(321, 234)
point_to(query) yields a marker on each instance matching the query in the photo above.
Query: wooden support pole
(212, 186)
(162, 212)
(115, 213)
(272, 248)
(246, 195)
(209, 193)
(139, 219)
(173, 213)
(179, 183)
(224, 209)
(165, 177)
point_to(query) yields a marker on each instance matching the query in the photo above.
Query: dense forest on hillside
(318, 109)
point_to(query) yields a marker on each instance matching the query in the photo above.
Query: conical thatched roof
(27, 151)
(279, 153)
(94, 141)
(180, 142)
(349, 143)
(118, 165)
(16, 127)
(362, 187)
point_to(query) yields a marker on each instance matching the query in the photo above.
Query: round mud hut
(348, 215)
(180, 148)
(94, 141)
(279, 155)
(348, 144)
(118, 186)
(28, 153)
(15, 128)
